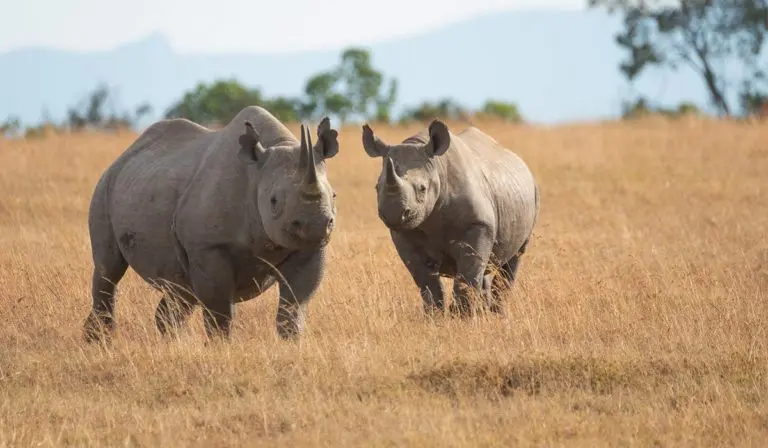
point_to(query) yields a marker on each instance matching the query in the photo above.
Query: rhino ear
(372, 144)
(439, 138)
(327, 139)
(251, 149)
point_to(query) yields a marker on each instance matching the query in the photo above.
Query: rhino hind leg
(505, 280)
(173, 311)
(213, 286)
(110, 269)
(492, 300)
(217, 319)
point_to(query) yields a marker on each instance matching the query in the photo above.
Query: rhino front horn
(390, 175)
(310, 177)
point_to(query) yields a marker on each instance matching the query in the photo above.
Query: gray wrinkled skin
(196, 213)
(456, 205)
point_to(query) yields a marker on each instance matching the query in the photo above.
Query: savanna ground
(639, 317)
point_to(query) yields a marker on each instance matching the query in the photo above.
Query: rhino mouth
(410, 225)
(407, 221)
(291, 240)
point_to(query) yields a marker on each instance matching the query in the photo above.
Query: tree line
(352, 90)
(97, 110)
(705, 36)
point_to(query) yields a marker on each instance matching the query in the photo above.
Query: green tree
(705, 35)
(10, 127)
(142, 111)
(97, 111)
(218, 102)
(636, 109)
(642, 107)
(353, 88)
(323, 99)
(90, 111)
(363, 85)
(385, 103)
(221, 100)
(687, 108)
(445, 108)
(504, 110)
(752, 101)
(284, 108)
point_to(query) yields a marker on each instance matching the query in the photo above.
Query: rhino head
(409, 183)
(295, 201)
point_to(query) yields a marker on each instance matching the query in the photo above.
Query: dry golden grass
(639, 317)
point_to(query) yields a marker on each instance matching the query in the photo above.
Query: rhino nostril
(295, 226)
(407, 214)
(330, 223)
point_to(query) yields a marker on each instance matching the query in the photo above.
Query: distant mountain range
(557, 65)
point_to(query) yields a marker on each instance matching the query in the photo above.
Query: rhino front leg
(471, 257)
(424, 274)
(301, 275)
(505, 280)
(431, 290)
(213, 283)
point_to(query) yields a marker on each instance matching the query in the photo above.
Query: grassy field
(639, 317)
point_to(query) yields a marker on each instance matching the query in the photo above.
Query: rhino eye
(273, 203)
(421, 192)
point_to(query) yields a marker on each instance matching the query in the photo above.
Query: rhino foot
(290, 321)
(432, 309)
(497, 308)
(98, 328)
(461, 309)
(171, 315)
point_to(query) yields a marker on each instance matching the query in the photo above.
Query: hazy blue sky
(232, 25)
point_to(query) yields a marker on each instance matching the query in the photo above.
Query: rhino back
(142, 189)
(271, 131)
(499, 178)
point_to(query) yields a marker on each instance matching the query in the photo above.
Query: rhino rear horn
(303, 156)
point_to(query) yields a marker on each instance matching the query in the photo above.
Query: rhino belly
(146, 240)
(256, 287)
(252, 275)
(151, 256)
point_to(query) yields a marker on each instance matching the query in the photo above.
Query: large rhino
(457, 205)
(210, 217)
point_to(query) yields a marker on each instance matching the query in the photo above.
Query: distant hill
(557, 65)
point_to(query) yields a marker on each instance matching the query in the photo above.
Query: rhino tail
(537, 209)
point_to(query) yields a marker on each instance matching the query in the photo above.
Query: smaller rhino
(457, 205)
